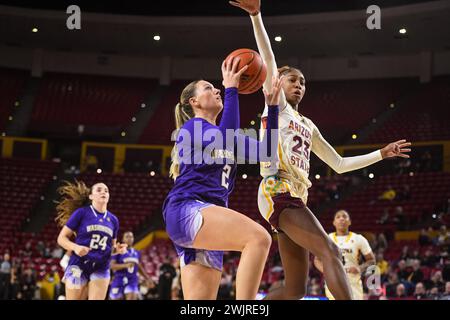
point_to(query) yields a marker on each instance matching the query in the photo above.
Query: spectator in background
(28, 251)
(424, 238)
(446, 294)
(167, 273)
(405, 253)
(400, 218)
(419, 292)
(28, 284)
(47, 250)
(388, 195)
(415, 256)
(40, 247)
(380, 242)
(382, 264)
(57, 252)
(50, 285)
(400, 291)
(416, 275)
(436, 281)
(392, 284)
(434, 293)
(429, 259)
(402, 271)
(5, 277)
(385, 217)
(443, 236)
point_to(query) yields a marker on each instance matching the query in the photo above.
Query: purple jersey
(131, 274)
(211, 179)
(94, 230)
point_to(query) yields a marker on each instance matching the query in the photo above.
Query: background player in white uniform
(352, 247)
(282, 195)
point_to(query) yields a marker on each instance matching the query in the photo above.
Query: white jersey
(296, 136)
(352, 246)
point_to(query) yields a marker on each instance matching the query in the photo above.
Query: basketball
(253, 78)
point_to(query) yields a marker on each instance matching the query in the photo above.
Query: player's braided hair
(183, 112)
(75, 195)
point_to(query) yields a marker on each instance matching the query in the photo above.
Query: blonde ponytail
(75, 195)
(183, 112)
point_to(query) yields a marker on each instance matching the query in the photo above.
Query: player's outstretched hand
(253, 7)
(273, 97)
(396, 149)
(121, 248)
(230, 72)
(81, 250)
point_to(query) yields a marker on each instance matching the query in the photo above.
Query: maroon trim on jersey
(281, 202)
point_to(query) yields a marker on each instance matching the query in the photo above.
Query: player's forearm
(65, 243)
(339, 164)
(363, 267)
(264, 48)
(230, 116)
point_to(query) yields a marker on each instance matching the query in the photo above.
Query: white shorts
(355, 285)
(273, 197)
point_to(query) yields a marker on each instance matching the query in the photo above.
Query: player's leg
(227, 230)
(304, 229)
(76, 294)
(98, 284)
(98, 289)
(131, 292)
(75, 283)
(131, 296)
(295, 260)
(200, 282)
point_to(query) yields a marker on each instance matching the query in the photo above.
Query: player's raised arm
(253, 7)
(344, 164)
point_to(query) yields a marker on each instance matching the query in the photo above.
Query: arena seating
(12, 83)
(422, 117)
(102, 101)
(23, 182)
(428, 189)
(341, 108)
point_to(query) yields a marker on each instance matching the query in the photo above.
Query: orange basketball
(253, 78)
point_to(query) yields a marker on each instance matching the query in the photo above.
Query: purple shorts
(79, 272)
(183, 221)
(117, 292)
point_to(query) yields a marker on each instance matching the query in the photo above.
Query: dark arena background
(96, 104)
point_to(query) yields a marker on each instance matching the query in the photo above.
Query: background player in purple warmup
(195, 211)
(125, 267)
(83, 213)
